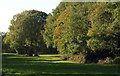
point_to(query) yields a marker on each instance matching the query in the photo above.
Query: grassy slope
(51, 64)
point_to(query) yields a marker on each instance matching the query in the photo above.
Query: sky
(8, 8)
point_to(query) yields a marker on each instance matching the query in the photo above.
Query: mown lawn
(52, 65)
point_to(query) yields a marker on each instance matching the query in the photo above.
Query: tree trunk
(36, 53)
(30, 52)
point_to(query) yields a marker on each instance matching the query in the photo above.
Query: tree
(0, 42)
(49, 27)
(25, 31)
(104, 34)
(69, 28)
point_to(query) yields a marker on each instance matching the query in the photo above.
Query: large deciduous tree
(49, 27)
(105, 29)
(68, 31)
(25, 31)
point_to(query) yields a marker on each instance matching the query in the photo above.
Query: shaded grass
(52, 65)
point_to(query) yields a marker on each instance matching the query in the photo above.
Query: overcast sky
(8, 8)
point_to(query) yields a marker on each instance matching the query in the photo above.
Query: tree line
(84, 32)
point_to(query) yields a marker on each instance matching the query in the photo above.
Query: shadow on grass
(28, 59)
(60, 75)
(31, 67)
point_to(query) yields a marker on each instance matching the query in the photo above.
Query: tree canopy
(25, 31)
(104, 33)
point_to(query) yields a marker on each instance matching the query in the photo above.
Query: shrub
(108, 60)
(116, 60)
(78, 58)
(101, 62)
(64, 57)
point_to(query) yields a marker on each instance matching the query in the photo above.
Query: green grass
(52, 65)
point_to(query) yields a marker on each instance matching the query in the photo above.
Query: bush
(116, 60)
(78, 58)
(64, 57)
(108, 60)
(101, 62)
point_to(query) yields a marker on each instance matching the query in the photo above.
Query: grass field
(52, 65)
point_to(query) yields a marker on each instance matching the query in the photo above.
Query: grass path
(52, 65)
